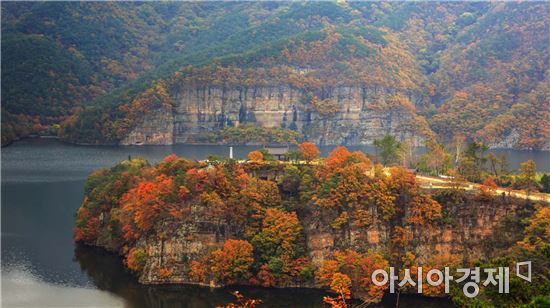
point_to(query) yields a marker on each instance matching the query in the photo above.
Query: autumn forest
(368, 136)
(93, 72)
(309, 222)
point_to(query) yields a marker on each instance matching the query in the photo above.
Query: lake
(42, 186)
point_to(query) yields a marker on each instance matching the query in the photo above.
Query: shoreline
(239, 286)
(84, 144)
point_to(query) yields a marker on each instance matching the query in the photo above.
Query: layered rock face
(155, 128)
(198, 110)
(511, 140)
(465, 236)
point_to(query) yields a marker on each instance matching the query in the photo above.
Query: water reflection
(107, 273)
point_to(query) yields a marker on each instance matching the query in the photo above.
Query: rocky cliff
(155, 128)
(356, 120)
(466, 236)
(173, 222)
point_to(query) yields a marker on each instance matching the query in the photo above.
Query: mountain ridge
(436, 48)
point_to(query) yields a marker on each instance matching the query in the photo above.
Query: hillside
(495, 79)
(473, 69)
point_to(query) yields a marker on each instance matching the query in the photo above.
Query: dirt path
(432, 182)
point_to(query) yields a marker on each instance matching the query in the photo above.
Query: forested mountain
(442, 69)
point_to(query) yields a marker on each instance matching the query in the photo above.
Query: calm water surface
(42, 186)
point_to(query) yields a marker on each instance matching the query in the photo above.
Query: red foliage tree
(488, 188)
(147, 200)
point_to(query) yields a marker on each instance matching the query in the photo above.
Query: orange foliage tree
(340, 285)
(309, 151)
(537, 232)
(487, 188)
(255, 156)
(359, 268)
(198, 271)
(231, 264)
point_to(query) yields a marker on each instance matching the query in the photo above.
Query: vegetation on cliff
(308, 223)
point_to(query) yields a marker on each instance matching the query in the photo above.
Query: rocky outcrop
(173, 236)
(464, 234)
(513, 140)
(199, 110)
(157, 127)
